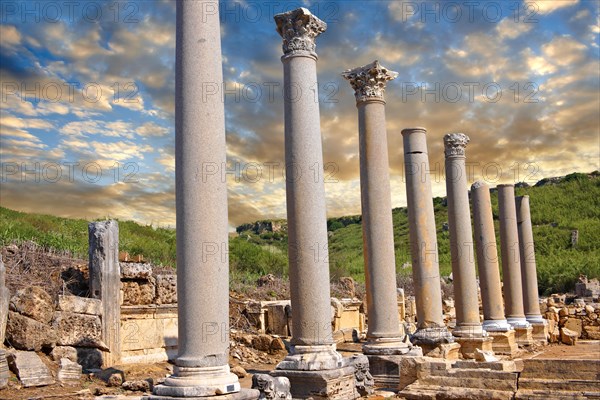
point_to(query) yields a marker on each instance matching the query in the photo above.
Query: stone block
(469, 346)
(277, 318)
(524, 336)
(30, 369)
(79, 305)
(166, 289)
(146, 333)
(60, 352)
(262, 342)
(25, 333)
(592, 332)
(79, 330)
(568, 336)
(69, 371)
(447, 351)
(393, 371)
(138, 292)
(540, 333)
(4, 373)
(138, 271)
(575, 325)
(4, 302)
(33, 302)
(504, 343)
(333, 384)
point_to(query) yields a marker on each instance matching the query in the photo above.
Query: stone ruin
(131, 315)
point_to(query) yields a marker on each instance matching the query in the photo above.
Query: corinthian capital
(369, 81)
(455, 144)
(299, 29)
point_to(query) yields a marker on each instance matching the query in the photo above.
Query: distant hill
(558, 206)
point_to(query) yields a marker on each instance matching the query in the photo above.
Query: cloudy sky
(87, 107)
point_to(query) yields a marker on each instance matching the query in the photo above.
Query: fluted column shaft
(423, 239)
(461, 238)
(487, 259)
(376, 203)
(531, 304)
(511, 261)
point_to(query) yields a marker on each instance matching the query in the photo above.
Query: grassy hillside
(557, 208)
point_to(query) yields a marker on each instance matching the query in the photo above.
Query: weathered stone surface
(568, 336)
(239, 371)
(485, 355)
(69, 371)
(30, 369)
(363, 380)
(262, 342)
(137, 386)
(25, 333)
(554, 334)
(166, 289)
(336, 384)
(4, 374)
(447, 351)
(592, 332)
(277, 344)
(60, 352)
(504, 342)
(78, 330)
(138, 293)
(140, 271)
(112, 376)
(271, 388)
(79, 305)
(33, 302)
(4, 302)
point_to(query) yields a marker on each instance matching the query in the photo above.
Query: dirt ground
(90, 386)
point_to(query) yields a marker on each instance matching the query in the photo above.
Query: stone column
(201, 367)
(431, 330)
(383, 335)
(511, 261)
(531, 304)
(105, 284)
(487, 259)
(312, 361)
(461, 238)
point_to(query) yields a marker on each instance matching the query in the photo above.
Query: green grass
(556, 211)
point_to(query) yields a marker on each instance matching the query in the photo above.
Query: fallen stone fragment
(30, 369)
(69, 372)
(239, 371)
(485, 355)
(4, 374)
(60, 352)
(137, 386)
(568, 336)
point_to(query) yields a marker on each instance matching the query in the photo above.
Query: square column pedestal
(331, 384)
(468, 345)
(540, 333)
(524, 335)
(386, 369)
(505, 343)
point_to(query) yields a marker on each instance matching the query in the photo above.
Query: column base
(535, 319)
(387, 369)
(386, 346)
(431, 337)
(524, 336)
(332, 384)
(311, 358)
(469, 345)
(198, 382)
(518, 322)
(540, 332)
(468, 331)
(504, 343)
(243, 394)
(496, 325)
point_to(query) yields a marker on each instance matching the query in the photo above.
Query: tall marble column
(383, 335)
(306, 214)
(531, 303)
(487, 259)
(511, 261)
(201, 367)
(461, 238)
(312, 359)
(431, 329)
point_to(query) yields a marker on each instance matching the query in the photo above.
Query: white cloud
(549, 6)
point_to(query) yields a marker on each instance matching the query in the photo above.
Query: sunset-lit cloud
(87, 104)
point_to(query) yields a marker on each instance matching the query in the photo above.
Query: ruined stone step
(474, 382)
(553, 368)
(526, 394)
(418, 391)
(576, 375)
(559, 384)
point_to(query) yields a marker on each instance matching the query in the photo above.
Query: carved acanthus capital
(455, 144)
(299, 29)
(369, 81)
